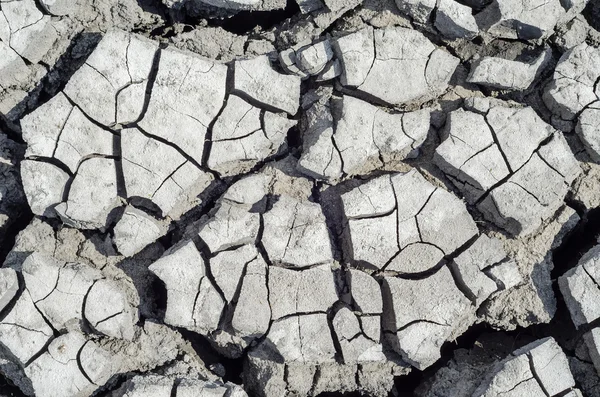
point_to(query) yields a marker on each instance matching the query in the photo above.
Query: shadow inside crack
(193, 13)
(591, 13)
(56, 78)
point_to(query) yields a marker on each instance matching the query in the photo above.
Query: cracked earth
(300, 198)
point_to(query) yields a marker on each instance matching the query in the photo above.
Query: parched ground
(305, 198)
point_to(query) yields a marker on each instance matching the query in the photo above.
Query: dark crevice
(174, 146)
(339, 358)
(86, 324)
(55, 80)
(233, 367)
(406, 326)
(245, 22)
(160, 297)
(81, 366)
(72, 176)
(581, 239)
(206, 254)
(120, 174)
(108, 318)
(90, 118)
(151, 80)
(8, 388)
(511, 172)
(176, 383)
(55, 162)
(209, 130)
(535, 375)
(294, 138)
(9, 236)
(591, 13)
(497, 142)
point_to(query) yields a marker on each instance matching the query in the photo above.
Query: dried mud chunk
(373, 198)
(469, 154)
(92, 196)
(506, 274)
(41, 128)
(23, 332)
(304, 338)
(256, 79)
(516, 19)
(196, 387)
(357, 53)
(301, 291)
(374, 240)
(442, 212)
(231, 225)
(508, 126)
(416, 257)
(557, 154)
(135, 230)
(420, 70)
(9, 285)
(423, 314)
(249, 190)
(232, 156)
(158, 172)
(58, 373)
(413, 237)
(14, 69)
(313, 59)
(366, 294)
(368, 137)
(295, 233)
(548, 359)
(185, 385)
(513, 209)
(579, 287)
(238, 119)
(108, 310)
(419, 10)
(147, 163)
(147, 385)
(531, 370)
(80, 138)
(501, 170)
(455, 20)
(355, 346)
(192, 300)
(32, 33)
(592, 341)
(119, 60)
(187, 95)
(469, 268)
(58, 289)
(97, 363)
(227, 268)
(505, 74)
(288, 61)
(574, 82)
(43, 184)
(320, 158)
(513, 378)
(528, 198)
(537, 175)
(253, 311)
